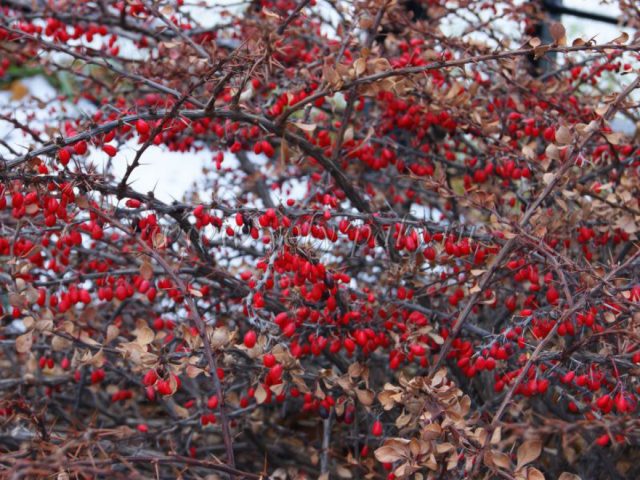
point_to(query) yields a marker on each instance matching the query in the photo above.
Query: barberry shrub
(412, 251)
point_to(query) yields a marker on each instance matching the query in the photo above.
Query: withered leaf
(528, 452)
(365, 397)
(558, 33)
(392, 451)
(144, 336)
(534, 474)
(146, 270)
(622, 38)
(24, 342)
(498, 459)
(563, 135)
(261, 394)
(112, 333)
(569, 476)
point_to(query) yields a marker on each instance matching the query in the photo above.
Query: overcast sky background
(171, 174)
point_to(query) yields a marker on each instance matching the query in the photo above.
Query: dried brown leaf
(534, 474)
(24, 343)
(146, 270)
(558, 33)
(261, 394)
(498, 459)
(112, 333)
(569, 476)
(528, 452)
(144, 336)
(622, 38)
(392, 451)
(563, 135)
(366, 397)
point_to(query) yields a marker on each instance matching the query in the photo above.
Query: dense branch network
(410, 252)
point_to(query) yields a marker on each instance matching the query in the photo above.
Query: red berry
(110, 150)
(64, 155)
(549, 134)
(603, 440)
(150, 378)
(142, 127)
(275, 374)
(250, 339)
(213, 401)
(376, 430)
(269, 360)
(163, 387)
(97, 376)
(552, 296)
(81, 147)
